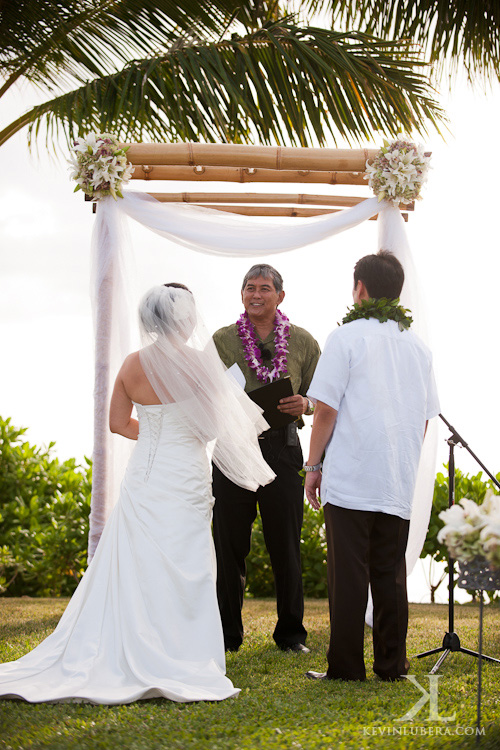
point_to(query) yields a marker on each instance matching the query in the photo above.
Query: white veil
(181, 362)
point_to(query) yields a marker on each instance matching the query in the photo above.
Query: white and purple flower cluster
(253, 354)
(473, 530)
(398, 172)
(100, 166)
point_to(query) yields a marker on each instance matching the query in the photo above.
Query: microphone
(264, 353)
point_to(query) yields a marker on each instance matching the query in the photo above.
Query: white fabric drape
(218, 233)
(212, 232)
(393, 237)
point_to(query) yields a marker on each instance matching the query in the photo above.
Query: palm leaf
(460, 32)
(281, 84)
(52, 43)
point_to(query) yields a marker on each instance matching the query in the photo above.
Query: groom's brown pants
(364, 548)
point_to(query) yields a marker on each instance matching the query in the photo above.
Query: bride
(144, 620)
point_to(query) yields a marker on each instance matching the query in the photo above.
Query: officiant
(266, 347)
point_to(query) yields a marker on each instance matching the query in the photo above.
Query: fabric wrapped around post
(112, 325)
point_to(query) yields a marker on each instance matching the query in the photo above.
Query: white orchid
(490, 533)
(473, 530)
(453, 517)
(99, 166)
(491, 504)
(398, 171)
(490, 538)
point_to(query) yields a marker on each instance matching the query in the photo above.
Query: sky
(46, 329)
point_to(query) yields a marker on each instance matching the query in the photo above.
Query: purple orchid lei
(253, 354)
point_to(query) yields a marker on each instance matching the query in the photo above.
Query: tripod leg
(479, 665)
(477, 655)
(440, 661)
(429, 653)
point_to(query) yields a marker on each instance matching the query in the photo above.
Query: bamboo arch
(255, 164)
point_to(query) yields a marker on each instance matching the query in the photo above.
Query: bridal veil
(181, 362)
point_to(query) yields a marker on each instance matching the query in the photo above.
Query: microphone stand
(451, 641)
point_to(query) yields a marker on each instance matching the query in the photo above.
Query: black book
(268, 397)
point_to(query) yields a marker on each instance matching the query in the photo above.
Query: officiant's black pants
(281, 506)
(366, 547)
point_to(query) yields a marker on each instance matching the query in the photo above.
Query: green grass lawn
(278, 708)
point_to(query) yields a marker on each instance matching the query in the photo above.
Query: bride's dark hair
(177, 285)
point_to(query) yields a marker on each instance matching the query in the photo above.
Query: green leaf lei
(383, 309)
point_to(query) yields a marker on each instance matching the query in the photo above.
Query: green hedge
(44, 509)
(474, 487)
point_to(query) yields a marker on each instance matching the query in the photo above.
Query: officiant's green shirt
(302, 357)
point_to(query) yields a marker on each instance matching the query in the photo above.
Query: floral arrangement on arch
(473, 530)
(100, 166)
(398, 172)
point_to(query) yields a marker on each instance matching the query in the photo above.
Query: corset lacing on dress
(155, 420)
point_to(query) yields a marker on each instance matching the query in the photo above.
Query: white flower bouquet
(473, 530)
(100, 166)
(398, 172)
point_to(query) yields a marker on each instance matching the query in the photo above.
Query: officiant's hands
(294, 405)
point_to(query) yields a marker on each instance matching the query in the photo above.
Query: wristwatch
(310, 406)
(313, 468)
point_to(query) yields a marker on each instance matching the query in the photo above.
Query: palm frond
(462, 32)
(281, 84)
(52, 43)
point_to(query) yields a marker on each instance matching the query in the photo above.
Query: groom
(375, 392)
(274, 345)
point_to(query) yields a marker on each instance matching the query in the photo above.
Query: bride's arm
(120, 411)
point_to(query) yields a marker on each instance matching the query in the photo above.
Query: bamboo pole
(286, 211)
(235, 155)
(146, 171)
(299, 198)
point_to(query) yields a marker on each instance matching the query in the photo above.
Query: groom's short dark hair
(382, 274)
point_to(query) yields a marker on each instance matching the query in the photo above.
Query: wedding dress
(144, 621)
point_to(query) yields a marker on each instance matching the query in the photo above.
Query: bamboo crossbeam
(259, 198)
(281, 211)
(146, 171)
(236, 155)
(271, 210)
(286, 211)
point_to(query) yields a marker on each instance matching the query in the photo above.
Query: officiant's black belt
(287, 434)
(279, 432)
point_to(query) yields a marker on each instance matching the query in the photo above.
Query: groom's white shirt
(380, 381)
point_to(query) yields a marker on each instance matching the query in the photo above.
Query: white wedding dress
(144, 621)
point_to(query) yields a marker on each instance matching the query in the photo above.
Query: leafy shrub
(313, 552)
(45, 504)
(473, 487)
(44, 509)
(260, 580)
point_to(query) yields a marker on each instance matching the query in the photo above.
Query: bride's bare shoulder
(131, 368)
(131, 362)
